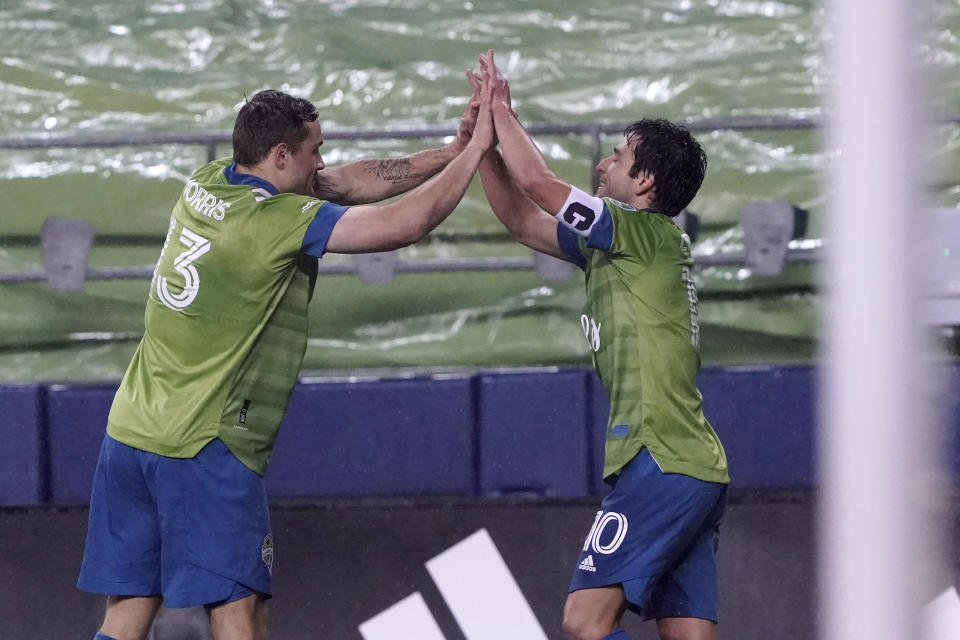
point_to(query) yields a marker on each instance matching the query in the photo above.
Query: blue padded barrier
(533, 433)
(23, 461)
(77, 422)
(766, 419)
(376, 437)
(490, 433)
(763, 415)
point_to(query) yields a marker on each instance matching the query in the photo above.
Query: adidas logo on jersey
(587, 564)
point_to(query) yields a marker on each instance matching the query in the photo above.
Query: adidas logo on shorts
(587, 564)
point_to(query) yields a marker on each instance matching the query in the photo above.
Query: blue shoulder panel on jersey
(570, 244)
(315, 239)
(236, 178)
(601, 234)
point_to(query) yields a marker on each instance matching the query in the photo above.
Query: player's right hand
(483, 132)
(501, 88)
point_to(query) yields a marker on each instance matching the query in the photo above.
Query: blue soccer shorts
(656, 535)
(194, 530)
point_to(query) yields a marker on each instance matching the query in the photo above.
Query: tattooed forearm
(367, 181)
(394, 171)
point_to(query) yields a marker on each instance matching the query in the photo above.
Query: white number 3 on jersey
(196, 245)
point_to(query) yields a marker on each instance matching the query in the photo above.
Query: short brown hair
(267, 119)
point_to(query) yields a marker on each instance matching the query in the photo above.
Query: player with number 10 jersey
(652, 546)
(641, 322)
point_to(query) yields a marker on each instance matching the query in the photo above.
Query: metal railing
(210, 140)
(797, 251)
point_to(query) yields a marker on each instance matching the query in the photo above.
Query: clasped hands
(490, 88)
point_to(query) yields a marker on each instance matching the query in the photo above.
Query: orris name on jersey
(203, 202)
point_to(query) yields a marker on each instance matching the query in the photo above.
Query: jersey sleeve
(605, 224)
(319, 230)
(293, 225)
(570, 244)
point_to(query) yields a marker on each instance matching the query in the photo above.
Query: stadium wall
(343, 563)
(339, 564)
(373, 480)
(482, 434)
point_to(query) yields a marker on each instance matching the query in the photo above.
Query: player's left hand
(469, 119)
(476, 81)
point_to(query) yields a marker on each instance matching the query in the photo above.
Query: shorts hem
(110, 588)
(713, 619)
(238, 596)
(646, 613)
(597, 582)
(188, 601)
(582, 587)
(245, 579)
(213, 594)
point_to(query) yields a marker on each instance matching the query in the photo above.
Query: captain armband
(581, 212)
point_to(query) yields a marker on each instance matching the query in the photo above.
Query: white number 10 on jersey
(196, 245)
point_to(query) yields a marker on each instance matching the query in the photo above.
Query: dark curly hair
(674, 158)
(267, 119)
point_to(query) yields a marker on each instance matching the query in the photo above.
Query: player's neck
(641, 202)
(261, 172)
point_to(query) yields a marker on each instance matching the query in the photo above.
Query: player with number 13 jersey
(230, 290)
(178, 511)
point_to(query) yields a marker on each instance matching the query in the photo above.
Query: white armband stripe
(580, 212)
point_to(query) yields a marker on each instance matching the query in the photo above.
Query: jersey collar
(236, 178)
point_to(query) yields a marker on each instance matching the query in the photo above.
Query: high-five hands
(490, 77)
(483, 132)
(501, 89)
(469, 119)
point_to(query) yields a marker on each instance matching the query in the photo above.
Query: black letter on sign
(579, 216)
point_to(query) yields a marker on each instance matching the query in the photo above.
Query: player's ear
(644, 183)
(280, 154)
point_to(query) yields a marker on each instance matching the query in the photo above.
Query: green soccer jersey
(640, 320)
(226, 319)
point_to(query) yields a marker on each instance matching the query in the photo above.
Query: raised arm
(526, 164)
(367, 181)
(524, 219)
(368, 228)
(526, 222)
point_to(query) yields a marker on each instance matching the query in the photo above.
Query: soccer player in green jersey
(178, 513)
(652, 545)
